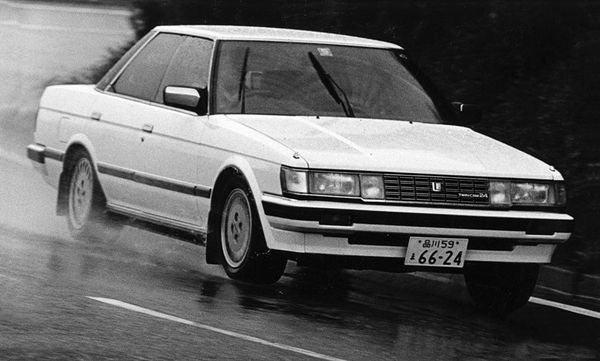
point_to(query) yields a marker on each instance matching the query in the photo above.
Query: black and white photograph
(330, 180)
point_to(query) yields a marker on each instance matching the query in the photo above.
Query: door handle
(96, 116)
(148, 128)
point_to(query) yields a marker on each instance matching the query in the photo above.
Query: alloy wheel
(236, 228)
(81, 193)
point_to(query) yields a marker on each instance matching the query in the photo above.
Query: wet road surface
(46, 313)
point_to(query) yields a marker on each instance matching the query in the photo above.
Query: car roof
(226, 32)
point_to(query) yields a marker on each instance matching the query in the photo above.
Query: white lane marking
(20, 25)
(74, 9)
(241, 336)
(562, 306)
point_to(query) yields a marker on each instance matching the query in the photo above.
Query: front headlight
(503, 193)
(531, 193)
(367, 186)
(334, 184)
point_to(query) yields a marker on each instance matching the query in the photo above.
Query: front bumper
(336, 228)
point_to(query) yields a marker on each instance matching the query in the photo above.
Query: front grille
(431, 189)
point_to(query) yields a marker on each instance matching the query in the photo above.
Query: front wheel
(86, 216)
(500, 288)
(245, 255)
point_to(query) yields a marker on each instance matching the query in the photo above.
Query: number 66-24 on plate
(436, 252)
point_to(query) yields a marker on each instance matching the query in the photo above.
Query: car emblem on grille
(436, 186)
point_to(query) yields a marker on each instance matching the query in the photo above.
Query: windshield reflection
(320, 80)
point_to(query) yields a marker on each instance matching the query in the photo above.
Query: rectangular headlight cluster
(504, 193)
(367, 186)
(370, 186)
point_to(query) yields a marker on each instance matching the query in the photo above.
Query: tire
(500, 288)
(245, 254)
(87, 218)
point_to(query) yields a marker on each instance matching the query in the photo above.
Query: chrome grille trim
(419, 189)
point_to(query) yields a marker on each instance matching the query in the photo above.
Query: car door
(120, 119)
(171, 151)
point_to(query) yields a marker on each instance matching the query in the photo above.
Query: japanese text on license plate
(436, 252)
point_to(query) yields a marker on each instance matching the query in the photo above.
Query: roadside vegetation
(531, 65)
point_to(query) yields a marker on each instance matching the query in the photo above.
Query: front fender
(245, 169)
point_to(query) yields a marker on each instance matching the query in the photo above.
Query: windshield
(320, 80)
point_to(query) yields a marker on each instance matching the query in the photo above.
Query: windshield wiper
(331, 86)
(242, 86)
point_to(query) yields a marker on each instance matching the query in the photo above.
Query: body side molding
(154, 181)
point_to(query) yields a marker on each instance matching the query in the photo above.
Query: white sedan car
(271, 145)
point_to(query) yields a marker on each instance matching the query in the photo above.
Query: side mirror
(468, 114)
(187, 98)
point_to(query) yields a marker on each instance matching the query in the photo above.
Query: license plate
(436, 252)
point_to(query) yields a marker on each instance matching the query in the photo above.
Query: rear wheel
(86, 216)
(500, 288)
(245, 254)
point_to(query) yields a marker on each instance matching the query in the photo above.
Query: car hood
(396, 146)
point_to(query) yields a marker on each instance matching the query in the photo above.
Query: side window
(142, 76)
(189, 66)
